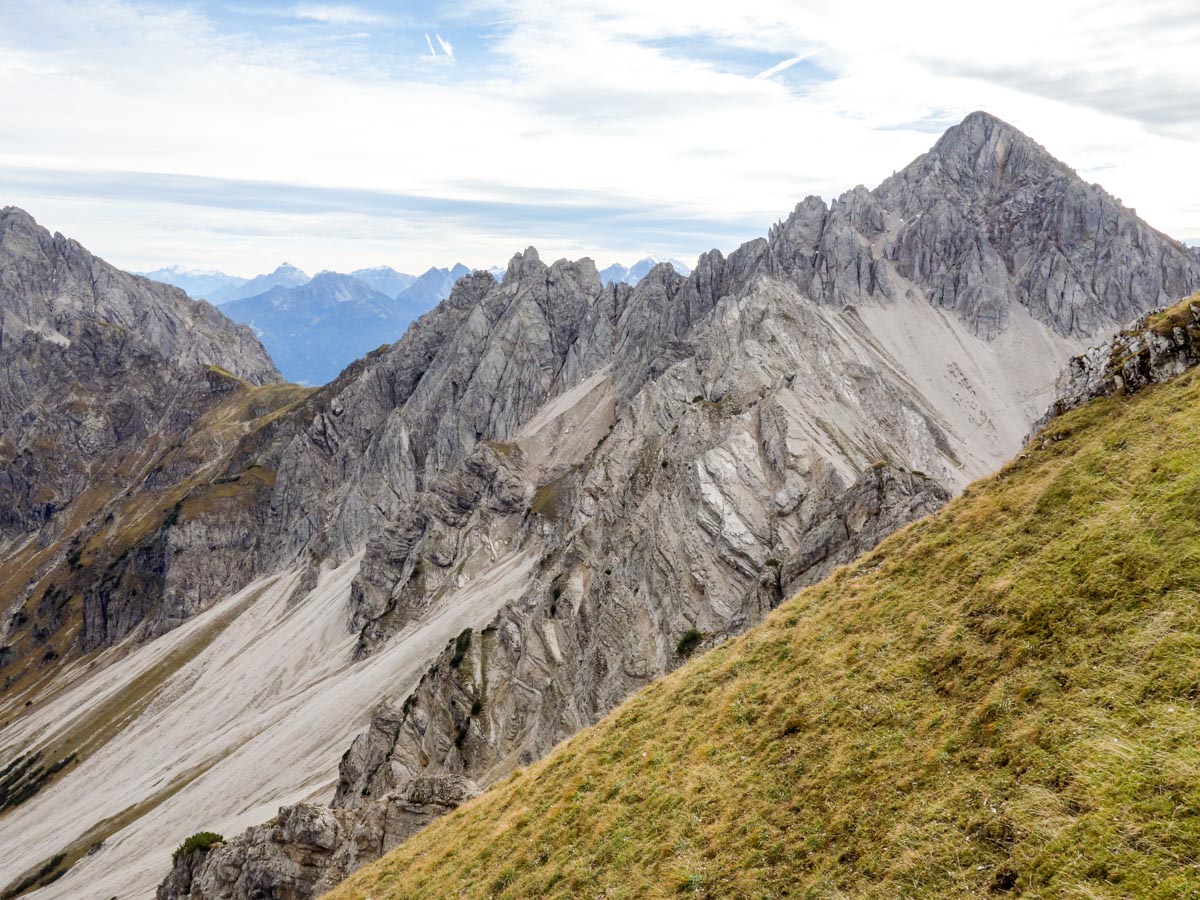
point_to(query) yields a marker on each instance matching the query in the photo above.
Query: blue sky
(337, 135)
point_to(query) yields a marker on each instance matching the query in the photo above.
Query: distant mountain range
(314, 328)
(639, 270)
(197, 283)
(432, 287)
(217, 287)
(385, 279)
(286, 276)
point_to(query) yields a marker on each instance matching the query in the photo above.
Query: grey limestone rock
(1155, 348)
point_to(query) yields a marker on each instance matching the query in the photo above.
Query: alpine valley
(314, 620)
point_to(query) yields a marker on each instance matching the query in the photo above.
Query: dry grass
(999, 699)
(1164, 322)
(550, 500)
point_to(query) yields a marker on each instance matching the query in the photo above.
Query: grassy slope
(999, 698)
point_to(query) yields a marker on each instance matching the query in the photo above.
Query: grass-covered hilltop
(1000, 699)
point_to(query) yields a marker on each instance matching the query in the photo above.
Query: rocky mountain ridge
(102, 372)
(702, 463)
(987, 704)
(549, 491)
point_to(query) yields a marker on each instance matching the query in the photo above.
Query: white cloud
(336, 14)
(605, 97)
(446, 46)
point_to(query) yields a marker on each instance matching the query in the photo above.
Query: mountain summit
(285, 275)
(989, 219)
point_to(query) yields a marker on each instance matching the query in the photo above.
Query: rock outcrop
(1155, 348)
(308, 849)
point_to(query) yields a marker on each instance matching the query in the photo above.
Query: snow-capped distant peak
(192, 273)
(635, 273)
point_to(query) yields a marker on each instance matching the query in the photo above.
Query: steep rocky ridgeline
(93, 360)
(998, 700)
(680, 455)
(1155, 348)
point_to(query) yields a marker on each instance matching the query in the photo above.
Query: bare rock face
(1155, 348)
(308, 849)
(988, 218)
(675, 457)
(682, 454)
(881, 499)
(986, 221)
(94, 359)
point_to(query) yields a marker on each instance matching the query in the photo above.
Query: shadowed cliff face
(672, 458)
(94, 360)
(104, 377)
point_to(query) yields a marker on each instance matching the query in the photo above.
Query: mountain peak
(523, 263)
(985, 149)
(329, 275)
(13, 218)
(17, 214)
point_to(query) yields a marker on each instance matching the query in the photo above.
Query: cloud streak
(336, 14)
(780, 67)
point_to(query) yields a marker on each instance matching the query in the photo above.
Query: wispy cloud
(780, 67)
(447, 47)
(428, 41)
(336, 14)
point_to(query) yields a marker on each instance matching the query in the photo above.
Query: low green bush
(201, 840)
(690, 640)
